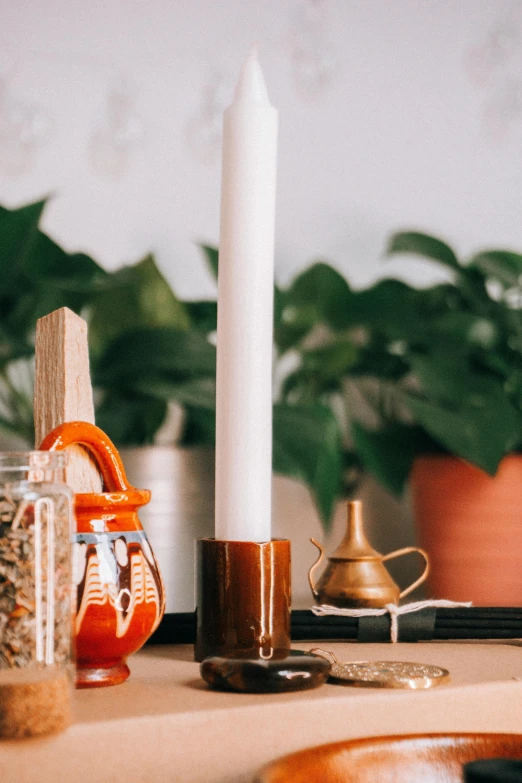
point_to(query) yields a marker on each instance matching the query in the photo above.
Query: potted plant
(153, 372)
(429, 385)
(398, 381)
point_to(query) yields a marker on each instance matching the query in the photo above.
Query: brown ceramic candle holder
(243, 597)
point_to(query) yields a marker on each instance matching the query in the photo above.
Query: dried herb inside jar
(25, 609)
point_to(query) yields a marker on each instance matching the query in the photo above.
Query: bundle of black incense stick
(179, 628)
(473, 622)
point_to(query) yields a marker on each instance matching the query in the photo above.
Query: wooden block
(33, 702)
(62, 390)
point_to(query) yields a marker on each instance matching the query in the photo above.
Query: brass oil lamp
(355, 576)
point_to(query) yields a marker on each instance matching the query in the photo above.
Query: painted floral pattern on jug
(116, 570)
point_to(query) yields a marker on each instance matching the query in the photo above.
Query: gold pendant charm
(384, 674)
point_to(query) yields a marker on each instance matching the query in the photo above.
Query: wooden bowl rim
(438, 738)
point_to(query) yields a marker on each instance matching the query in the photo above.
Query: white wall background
(397, 141)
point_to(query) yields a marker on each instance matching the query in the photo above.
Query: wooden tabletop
(164, 724)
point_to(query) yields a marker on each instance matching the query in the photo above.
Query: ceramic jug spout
(314, 568)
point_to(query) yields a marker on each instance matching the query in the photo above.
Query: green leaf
(322, 370)
(212, 258)
(465, 330)
(331, 361)
(490, 425)
(293, 325)
(14, 428)
(502, 265)
(423, 245)
(18, 231)
(54, 279)
(438, 299)
(48, 263)
(386, 454)
(12, 348)
(144, 353)
(390, 307)
(326, 291)
(377, 360)
(202, 315)
(200, 427)
(307, 446)
(143, 298)
(464, 388)
(318, 295)
(196, 393)
(130, 420)
(471, 433)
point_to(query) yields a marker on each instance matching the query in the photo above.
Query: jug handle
(406, 551)
(98, 443)
(314, 567)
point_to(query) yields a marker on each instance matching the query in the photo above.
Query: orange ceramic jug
(120, 596)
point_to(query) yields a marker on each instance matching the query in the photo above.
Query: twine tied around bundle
(392, 609)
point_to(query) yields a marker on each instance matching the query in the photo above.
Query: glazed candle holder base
(243, 597)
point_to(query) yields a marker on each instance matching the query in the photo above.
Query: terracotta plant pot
(120, 595)
(471, 526)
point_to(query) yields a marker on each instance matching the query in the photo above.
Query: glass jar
(35, 561)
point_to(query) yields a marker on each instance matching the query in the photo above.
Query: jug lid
(355, 545)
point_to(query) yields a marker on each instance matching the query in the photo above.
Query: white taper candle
(245, 312)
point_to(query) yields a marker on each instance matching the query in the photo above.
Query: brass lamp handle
(314, 567)
(406, 551)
